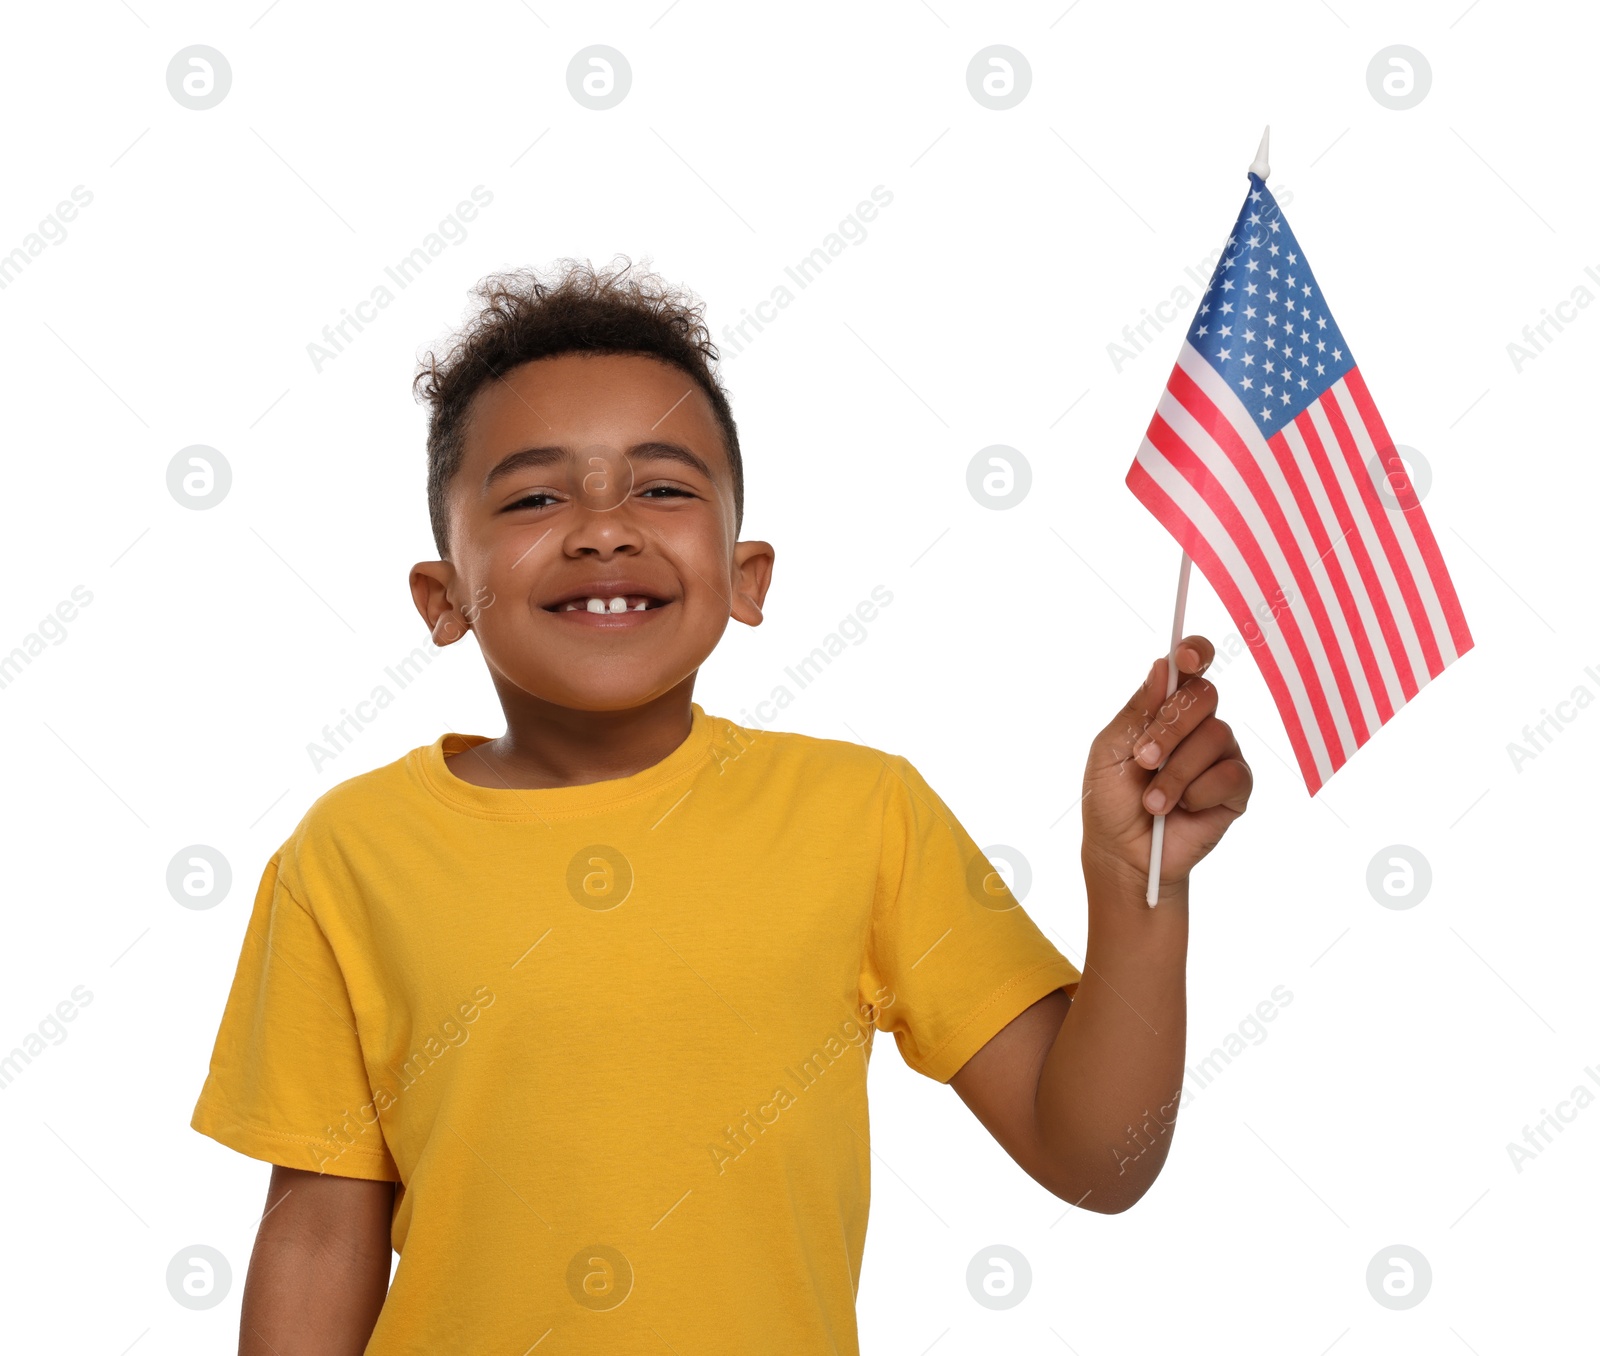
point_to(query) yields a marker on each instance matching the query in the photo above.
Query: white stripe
(1399, 520)
(1195, 508)
(1341, 553)
(1369, 538)
(1216, 461)
(1232, 407)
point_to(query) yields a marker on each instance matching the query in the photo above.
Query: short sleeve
(287, 1081)
(951, 957)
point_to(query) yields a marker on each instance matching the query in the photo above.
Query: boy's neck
(546, 745)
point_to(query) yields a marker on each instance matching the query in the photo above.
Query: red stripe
(1358, 548)
(1223, 433)
(1460, 636)
(1336, 576)
(1217, 499)
(1173, 518)
(1379, 517)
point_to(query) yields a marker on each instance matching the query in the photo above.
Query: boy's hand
(1205, 783)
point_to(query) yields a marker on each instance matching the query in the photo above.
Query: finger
(1173, 719)
(1195, 654)
(1226, 782)
(1210, 741)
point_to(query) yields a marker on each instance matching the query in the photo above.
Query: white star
(1272, 273)
(1255, 218)
(1245, 383)
(1289, 281)
(1304, 361)
(1226, 332)
(1200, 333)
(1304, 383)
(1224, 354)
(1272, 319)
(1274, 228)
(1204, 307)
(1250, 289)
(1254, 241)
(1321, 347)
(1285, 397)
(1227, 308)
(1273, 248)
(1322, 322)
(1292, 257)
(1249, 312)
(1338, 356)
(1288, 353)
(1306, 289)
(1305, 314)
(1266, 414)
(1305, 336)
(1319, 369)
(1249, 336)
(1227, 284)
(1251, 266)
(1249, 359)
(1272, 296)
(1266, 390)
(1270, 367)
(1255, 195)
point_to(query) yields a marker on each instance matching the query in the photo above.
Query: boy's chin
(589, 695)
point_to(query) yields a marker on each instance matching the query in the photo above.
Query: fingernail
(1148, 753)
(1155, 801)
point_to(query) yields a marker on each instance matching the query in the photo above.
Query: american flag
(1268, 462)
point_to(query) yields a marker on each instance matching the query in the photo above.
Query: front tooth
(597, 604)
(640, 607)
(619, 605)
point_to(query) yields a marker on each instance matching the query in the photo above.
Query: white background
(978, 309)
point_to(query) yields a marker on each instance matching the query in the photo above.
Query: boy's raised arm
(320, 1268)
(1084, 1095)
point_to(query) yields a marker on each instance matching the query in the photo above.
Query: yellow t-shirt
(612, 1039)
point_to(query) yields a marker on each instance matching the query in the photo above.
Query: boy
(577, 1019)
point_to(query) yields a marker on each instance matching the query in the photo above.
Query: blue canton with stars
(1263, 322)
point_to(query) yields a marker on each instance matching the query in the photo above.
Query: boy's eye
(669, 489)
(527, 500)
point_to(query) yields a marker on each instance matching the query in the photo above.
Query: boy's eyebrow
(550, 456)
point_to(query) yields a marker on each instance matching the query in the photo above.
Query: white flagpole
(1260, 168)
(1158, 828)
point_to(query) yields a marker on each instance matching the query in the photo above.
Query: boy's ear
(752, 572)
(431, 582)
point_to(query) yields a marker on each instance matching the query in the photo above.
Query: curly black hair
(524, 315)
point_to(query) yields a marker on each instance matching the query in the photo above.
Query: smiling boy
(577, 1019)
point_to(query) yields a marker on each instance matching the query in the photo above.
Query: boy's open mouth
(619, 597)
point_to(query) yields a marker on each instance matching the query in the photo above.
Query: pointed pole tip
(1259, 167)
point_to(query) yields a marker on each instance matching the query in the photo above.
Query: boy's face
(592, 476)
